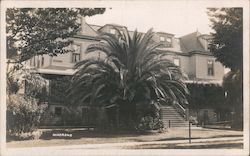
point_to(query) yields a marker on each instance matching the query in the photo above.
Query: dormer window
(162, 38)
(112, 31)
(169, 40)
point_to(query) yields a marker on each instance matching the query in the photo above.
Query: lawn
(80, 136)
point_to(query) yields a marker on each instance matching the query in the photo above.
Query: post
(187, 114)
(168, 123)
(117, 116)
(189, 131)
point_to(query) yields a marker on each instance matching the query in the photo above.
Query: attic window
(162, 38)
(169, 40)
(112, 31)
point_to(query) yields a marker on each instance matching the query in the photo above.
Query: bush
(23, 114)
(150, 123)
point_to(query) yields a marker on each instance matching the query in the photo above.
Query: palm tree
(131, 72)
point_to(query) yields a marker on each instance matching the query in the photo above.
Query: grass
(94, 137)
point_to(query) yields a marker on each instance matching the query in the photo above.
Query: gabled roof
(95, 27)
(160, 32)
(115, 25)
(191, 43)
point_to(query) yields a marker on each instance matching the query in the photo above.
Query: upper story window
(169, 39)
(42, 61)
(38, 62)
(112, 31)
(76, 53)
(31, 62)
(210, 68)
(34, 61)
(177, 61)
(162, 38)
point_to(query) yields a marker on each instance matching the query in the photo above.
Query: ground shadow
(176, 146)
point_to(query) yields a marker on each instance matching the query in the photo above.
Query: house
(189, 52)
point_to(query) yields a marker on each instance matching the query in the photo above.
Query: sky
(167, 16)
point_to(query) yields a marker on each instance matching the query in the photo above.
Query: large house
(189, 52)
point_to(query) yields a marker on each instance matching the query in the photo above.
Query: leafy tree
(227, 42)
(24, 112)
(37, 31)
(132, 73)
(227, 47)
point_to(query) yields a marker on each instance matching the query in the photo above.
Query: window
(169, 40)
(177, 61)
(75, 57)
(112, 31)
(34, 61)
(162, 38)
(38, 62)
(42, 62)
(210, 68)
(58, 111)
(76, 53)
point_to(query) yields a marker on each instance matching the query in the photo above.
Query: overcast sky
(171, 17)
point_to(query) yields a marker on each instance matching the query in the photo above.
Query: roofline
(115, 25)
(86, 37)
(215, 82)
(55, 72)
(94, 25)
(187, 53)
(200, 52)
(160, 32)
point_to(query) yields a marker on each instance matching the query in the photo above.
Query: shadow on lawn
(176, 146)
(78, 134)
(186, 138)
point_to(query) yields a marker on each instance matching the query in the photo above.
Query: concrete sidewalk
(119, 145)
(113, 146)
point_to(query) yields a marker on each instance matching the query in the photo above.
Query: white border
(207, 3)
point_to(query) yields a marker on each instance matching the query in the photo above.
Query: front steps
(171, 118)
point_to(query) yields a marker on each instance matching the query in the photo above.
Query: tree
(227, 42)
(24, 111)
(132, 73)
(37, 31)
(227, 47)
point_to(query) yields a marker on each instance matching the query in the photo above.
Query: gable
(86, 29)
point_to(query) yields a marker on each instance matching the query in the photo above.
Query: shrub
(23, 114)
(150, 123)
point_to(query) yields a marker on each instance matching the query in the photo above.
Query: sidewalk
(116, 146)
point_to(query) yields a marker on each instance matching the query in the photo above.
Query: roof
(160, 32)
(115, 25)
(190, 43)
(95, 27)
